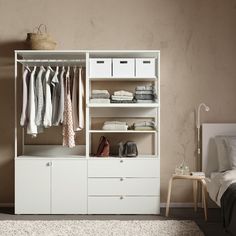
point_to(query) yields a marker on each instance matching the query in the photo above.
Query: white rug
(100, 228)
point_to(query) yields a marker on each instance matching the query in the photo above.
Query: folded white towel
(120, 98)
(114, 122)
(144, 123)
(145, 87)
(115, 127)
(99, 100)
(99, 91)
(145, 101)
(123, 93)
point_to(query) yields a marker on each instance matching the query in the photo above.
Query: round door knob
(121, 197)
(121, 179)
(121, 161)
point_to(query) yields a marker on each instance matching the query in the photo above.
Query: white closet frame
(97, 110)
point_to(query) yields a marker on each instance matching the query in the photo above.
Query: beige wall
(197, 39)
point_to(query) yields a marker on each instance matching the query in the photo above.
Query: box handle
(100, 62)
(123, 62)
(146, 62)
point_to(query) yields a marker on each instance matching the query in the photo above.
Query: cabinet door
(69, 187)
(32, 186)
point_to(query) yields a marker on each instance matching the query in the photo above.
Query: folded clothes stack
(100, 96)
(122, 96)
(144, 125)
(145, 94)
(115, 125)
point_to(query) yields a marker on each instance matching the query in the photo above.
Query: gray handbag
(130, 149)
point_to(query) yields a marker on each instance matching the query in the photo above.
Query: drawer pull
(121, 179)
(49, 164)
(121, 161)
(121, 197)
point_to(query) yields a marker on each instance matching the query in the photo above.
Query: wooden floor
(213, 227)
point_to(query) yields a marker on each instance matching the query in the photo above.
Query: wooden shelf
(129, 158)
(138, 105)
(114, 79)
(122, 131)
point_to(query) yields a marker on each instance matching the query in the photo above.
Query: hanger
(50, 68)
(68, 71)
(27, 67)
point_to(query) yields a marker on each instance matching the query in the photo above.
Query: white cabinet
(50, 186)
(32, 186)
(57, 181)
(69, 187)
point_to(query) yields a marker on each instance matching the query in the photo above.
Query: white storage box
(145, 67)
(100, 67)
(123, 67)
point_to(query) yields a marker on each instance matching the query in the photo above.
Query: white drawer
(100, 67)
(123, 168)
(123, 205)
(145, 67)
(123, 67)
(124, 186)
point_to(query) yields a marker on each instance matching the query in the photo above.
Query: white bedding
(218, 184)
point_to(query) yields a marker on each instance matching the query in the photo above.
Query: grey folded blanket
(100, 95)
(144, 96)
(122, 101)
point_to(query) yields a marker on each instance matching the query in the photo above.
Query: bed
(219, 165)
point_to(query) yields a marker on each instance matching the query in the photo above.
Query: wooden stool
(195, 179)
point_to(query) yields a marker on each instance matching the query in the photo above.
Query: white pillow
(231, 143)
(222, 153)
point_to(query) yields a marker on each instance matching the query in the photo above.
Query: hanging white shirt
(47, 120)
(24, 97)
(32, 127)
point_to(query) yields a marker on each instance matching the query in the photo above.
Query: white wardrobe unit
(50, 179)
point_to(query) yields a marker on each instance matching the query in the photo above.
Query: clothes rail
(49, 61)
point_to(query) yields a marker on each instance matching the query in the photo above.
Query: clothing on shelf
(143, 125)
(144, 87)
(100, 94)
(122, 96)
(144, 101)
(99, 100)
(115, 125)
(51, 98)
(145, 94)
(123, 101)
(123, 93)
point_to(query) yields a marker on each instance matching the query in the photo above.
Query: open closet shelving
(50, 179)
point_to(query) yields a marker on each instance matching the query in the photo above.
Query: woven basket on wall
(40, 40)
